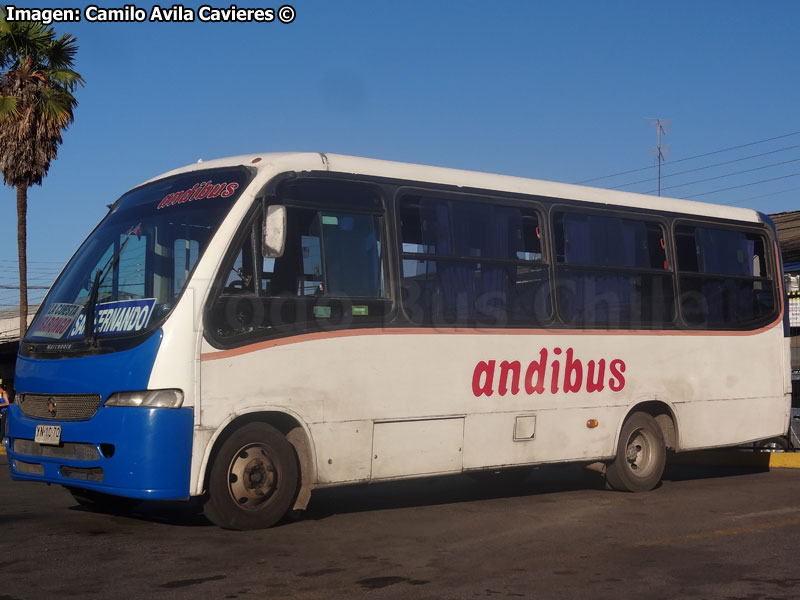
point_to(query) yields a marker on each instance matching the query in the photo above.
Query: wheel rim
(640, 455)
(252, 477)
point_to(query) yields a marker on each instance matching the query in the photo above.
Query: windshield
(140, 257)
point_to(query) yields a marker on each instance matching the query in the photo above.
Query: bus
(266, 325)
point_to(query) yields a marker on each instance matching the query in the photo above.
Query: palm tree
(36, 105)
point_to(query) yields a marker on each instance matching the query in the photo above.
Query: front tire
(254, 479)
(641, 454)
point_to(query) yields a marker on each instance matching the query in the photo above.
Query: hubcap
(639, 453)
(252, 477)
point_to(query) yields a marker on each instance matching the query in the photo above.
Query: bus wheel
(776, 444)
(102, 502)
(254, 479)
(641, 454)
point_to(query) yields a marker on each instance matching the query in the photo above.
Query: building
(788, 226)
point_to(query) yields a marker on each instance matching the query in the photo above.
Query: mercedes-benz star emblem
(51, 407)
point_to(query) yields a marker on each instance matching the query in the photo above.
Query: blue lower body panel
(126, 451)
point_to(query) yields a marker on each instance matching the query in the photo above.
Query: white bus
(271, 324)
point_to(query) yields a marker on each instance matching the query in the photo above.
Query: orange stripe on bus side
(308, 337)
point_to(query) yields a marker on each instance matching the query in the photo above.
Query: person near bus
(3, 407)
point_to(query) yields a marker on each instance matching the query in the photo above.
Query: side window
(328, 254)
(724, 277)
(240, 274)
(472, 263)
(612, 271)
(299, 272)
(331, 276)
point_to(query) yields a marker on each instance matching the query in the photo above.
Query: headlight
(147, 398)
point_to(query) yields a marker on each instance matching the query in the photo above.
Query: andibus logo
(198, 191)
(541, 374)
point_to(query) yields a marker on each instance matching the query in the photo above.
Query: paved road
(717, 534)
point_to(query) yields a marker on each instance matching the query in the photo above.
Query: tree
(37, 104)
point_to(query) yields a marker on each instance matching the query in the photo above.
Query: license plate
(48, 434)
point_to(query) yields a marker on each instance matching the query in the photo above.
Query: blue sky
(552, 90)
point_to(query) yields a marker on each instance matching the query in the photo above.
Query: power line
(786, 162)
(8, 260)
(778, 137)
(30, 287)
(727, 162)
(792, 189)
(736, 187)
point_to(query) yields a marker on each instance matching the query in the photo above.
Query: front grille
(63, 407)
(30, 468)
(90, 474)
(67, 450)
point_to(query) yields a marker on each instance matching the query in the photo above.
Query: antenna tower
(659, 151)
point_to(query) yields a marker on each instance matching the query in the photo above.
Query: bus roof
(338, 163)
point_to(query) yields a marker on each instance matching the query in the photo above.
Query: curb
(739, 458)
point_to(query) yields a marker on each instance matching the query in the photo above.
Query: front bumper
(127, 451)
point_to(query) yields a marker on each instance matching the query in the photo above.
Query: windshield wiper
(99, 276)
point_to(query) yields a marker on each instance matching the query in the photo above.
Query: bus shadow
(450, 489)
(711, 464)
(447, 489)
(522, 482)
(177, 513)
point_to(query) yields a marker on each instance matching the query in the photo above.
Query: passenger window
(612, 271)
(472, 263)
(592, 239)
(724, 279)
(425, 225)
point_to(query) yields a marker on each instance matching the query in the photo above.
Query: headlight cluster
(147, 398)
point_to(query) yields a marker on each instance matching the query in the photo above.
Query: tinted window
(328, 253)
(591, 239)
(331, 276)
(724, 277)
(482, 263)
(720, 251)
(612, 271)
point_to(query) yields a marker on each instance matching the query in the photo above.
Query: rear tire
(641, 454)
(254, 479)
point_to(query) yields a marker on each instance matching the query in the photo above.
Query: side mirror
(274, 231)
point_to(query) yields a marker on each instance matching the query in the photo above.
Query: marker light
(147, 398)
(592, 423)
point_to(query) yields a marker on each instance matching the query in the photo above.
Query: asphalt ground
(710, 532)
